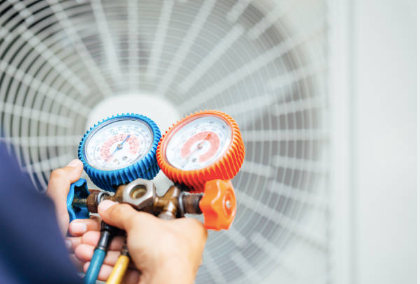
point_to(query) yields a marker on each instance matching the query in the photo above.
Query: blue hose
(94, 267)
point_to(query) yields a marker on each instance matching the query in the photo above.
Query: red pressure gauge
(204, 146)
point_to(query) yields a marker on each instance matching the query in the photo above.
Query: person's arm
(31, 246)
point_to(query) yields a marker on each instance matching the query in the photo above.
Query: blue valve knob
(78, 189)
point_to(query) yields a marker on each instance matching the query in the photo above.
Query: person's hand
(58, 189)
(164, 251)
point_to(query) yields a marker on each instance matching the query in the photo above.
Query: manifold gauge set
(200, 154)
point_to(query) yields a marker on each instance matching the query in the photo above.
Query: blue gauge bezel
(146, 167)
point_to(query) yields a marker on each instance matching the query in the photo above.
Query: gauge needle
(119, 147)
(199, 146)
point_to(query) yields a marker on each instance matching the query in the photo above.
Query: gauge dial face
(198, 143)
(118, 144)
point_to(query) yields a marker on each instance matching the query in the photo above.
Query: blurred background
(324, 93)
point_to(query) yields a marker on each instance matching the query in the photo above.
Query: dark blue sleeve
(32, 248)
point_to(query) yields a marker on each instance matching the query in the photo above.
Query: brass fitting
(95, 197)
(167, 205)
(141, 194)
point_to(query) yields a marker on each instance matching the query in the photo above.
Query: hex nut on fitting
(94, 198)
(139, 193)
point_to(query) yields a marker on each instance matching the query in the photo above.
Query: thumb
(60, 181)
(59, 186)
(119, 215)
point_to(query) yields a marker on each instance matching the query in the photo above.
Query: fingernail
(104, 205)
(74, 163)
(68, 244)
(78, 227)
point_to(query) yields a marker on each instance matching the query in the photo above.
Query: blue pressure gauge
(119, 150)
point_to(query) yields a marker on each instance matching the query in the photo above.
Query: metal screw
(79, 202)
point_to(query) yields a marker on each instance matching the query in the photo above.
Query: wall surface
(383, 128)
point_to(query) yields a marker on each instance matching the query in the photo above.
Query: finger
(104, 272)
(60, 180)
(122, 216)
(73, 242)
(80, 226)
(85, 253)
(132, 276)
(59, 186)
(91, 238)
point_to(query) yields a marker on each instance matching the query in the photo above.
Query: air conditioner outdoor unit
(269, 64)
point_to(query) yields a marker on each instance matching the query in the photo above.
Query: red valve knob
(218, 204)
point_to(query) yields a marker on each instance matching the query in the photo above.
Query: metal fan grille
(263, 62)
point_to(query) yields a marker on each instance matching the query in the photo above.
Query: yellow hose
(119, 270)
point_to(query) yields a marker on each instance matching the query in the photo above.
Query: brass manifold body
(141, 195)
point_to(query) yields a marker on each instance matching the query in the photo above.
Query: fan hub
(160, 110)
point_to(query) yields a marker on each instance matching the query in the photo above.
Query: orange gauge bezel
(225, 168)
